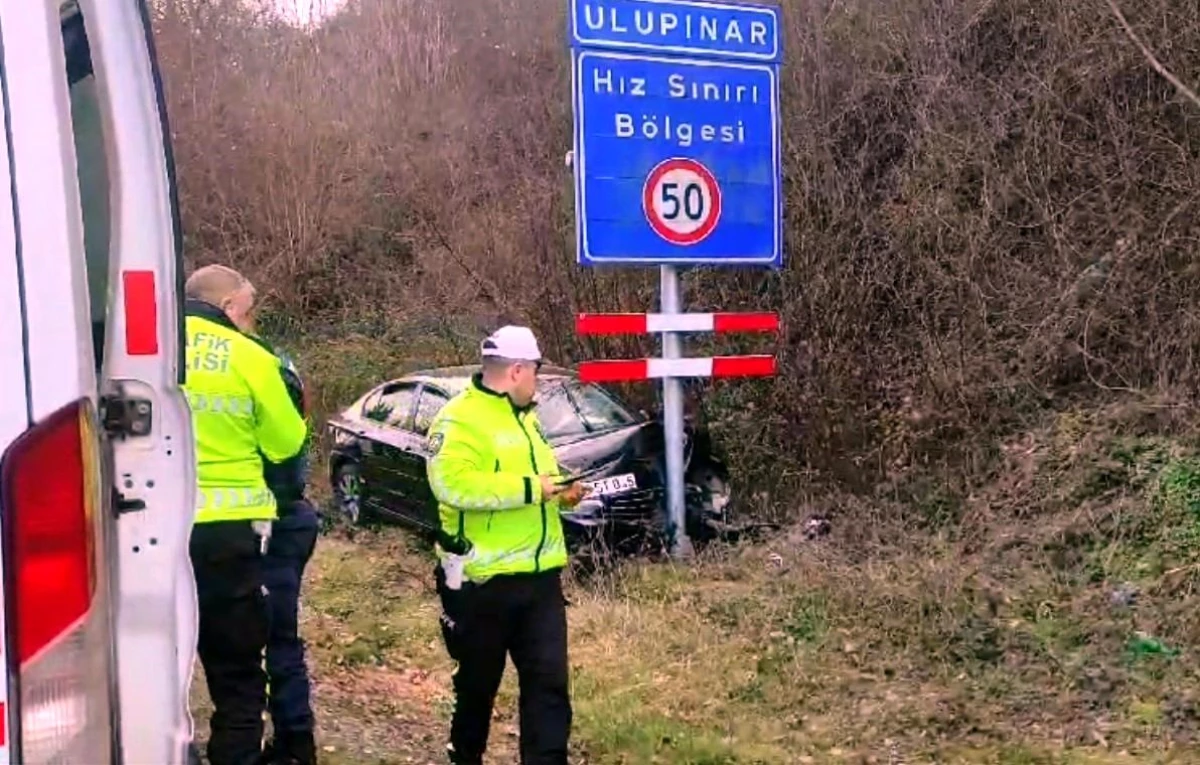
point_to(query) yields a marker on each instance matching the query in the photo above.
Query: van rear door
(96, 491)
(15, 416)
(145, 411)
(55, 520)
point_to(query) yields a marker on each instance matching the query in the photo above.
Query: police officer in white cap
(502, 551)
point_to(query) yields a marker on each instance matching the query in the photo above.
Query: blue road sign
(677, 144)
(686, 27)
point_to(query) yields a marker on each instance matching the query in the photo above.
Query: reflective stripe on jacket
(240, 407)
(485, 459)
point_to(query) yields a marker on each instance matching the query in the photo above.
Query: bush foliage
(991, 205)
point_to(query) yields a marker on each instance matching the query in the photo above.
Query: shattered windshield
(569, 408)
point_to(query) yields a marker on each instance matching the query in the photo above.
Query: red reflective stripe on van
(3, 724)
(141, 313)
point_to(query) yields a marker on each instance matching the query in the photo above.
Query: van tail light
(56, 600)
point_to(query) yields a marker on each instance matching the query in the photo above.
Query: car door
(383, 417)
(421, 505)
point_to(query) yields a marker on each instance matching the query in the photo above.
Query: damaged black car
(377, 464)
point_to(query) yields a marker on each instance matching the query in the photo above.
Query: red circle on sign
(681, 200)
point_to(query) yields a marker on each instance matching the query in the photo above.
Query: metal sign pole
(670, 303)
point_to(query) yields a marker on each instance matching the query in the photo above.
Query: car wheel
(347, 493)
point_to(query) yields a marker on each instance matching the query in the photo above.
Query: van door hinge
(125, 417)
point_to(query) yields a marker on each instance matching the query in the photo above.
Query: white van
(97, 601)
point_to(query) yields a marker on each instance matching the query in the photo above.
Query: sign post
(672, 401)
(677, 159)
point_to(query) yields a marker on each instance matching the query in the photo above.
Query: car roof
(456, 378)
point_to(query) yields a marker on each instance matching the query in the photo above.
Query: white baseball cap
(510, 342)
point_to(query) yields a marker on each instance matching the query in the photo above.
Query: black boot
(295, 748)
(457, 758)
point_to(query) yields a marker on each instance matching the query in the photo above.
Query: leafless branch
(1151, 58)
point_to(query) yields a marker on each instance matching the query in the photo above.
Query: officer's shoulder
(254, 351)
(457, 409)
(462, 413)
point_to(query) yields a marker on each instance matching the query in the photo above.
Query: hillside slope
(1067, 636)
(992, 207)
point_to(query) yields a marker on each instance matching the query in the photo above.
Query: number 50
(690, 203)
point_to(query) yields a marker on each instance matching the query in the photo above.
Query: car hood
(637, 449)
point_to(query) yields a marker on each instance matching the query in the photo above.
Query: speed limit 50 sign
(682, 201)
(677, 155)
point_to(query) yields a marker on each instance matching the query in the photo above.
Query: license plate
(615, 484)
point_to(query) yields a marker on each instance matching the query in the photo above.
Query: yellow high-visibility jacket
(484, 462)
(241, 412)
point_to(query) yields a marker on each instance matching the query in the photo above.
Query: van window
(91, 167)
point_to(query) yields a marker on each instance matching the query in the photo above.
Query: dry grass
(738, 660)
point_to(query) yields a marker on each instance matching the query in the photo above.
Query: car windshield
(569, 408)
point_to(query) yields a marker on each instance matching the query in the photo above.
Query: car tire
(348, 494)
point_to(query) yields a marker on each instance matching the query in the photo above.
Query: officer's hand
(550, 489)
(572, 495)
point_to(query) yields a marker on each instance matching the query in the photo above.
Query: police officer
(502, 551)
(293, 539)
(240, 410)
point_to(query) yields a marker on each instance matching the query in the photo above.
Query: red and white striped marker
(653, 369)
(628, 370)
(651, 323)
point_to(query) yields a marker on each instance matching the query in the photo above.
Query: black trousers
(523, 616)
(227, 562)
(293, 540)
